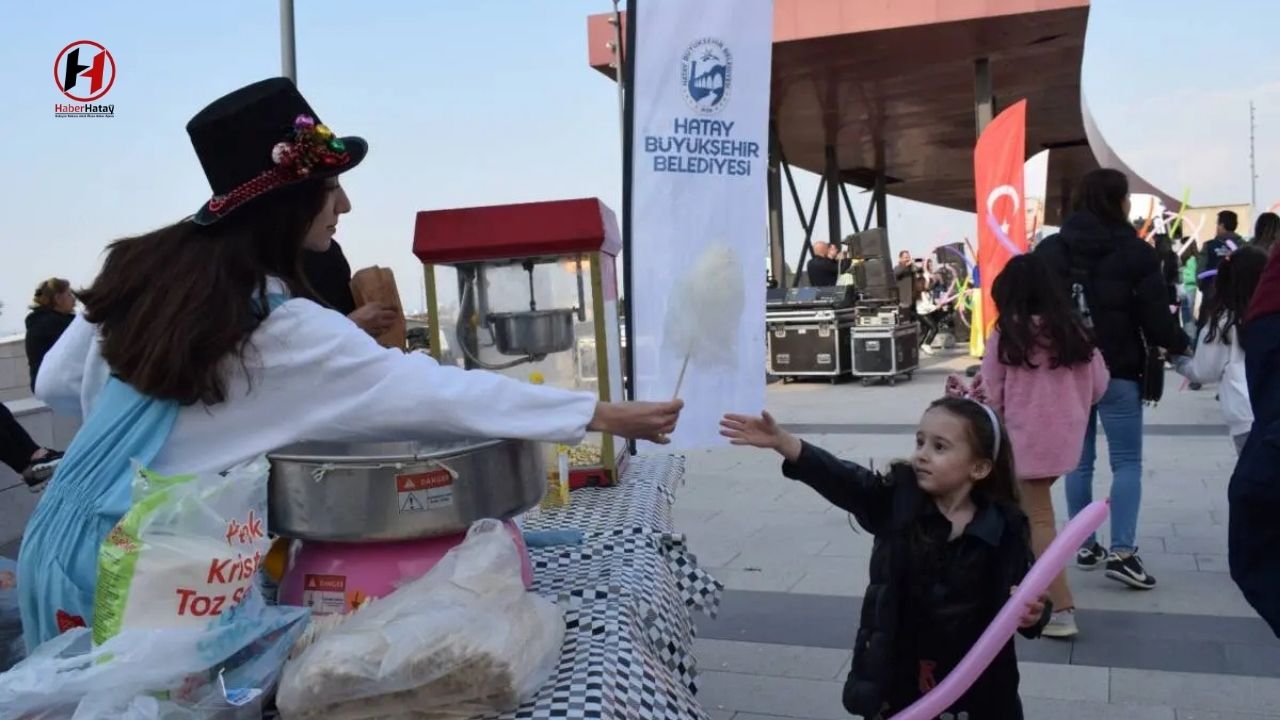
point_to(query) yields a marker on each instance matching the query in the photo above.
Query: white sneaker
(926, 349)
(1061, 625)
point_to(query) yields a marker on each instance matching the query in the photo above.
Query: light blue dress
(89, 493)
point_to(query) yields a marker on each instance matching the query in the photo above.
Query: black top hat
(260, 138)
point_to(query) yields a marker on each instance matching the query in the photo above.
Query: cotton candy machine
(372, 515)
(369, 492)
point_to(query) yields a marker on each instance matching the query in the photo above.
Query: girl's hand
(1035, 609)
(762, 432)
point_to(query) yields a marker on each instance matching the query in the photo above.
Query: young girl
(1219, 356)
(1042, 374)
(950, 545)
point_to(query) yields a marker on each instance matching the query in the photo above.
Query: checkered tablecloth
(627, 591)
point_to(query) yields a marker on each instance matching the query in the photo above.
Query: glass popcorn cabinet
(531, 291)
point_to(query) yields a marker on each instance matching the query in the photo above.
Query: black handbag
(1153, 376)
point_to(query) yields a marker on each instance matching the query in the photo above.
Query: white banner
(698, 204)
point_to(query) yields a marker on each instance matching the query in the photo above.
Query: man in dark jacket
(1212, 254)
(1253, 534)
(905, 273)
(823, 267)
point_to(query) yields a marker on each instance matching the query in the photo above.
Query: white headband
(995, 430)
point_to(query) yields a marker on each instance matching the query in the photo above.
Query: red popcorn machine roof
(524, 230)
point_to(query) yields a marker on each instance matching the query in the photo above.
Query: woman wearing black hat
(196, 352)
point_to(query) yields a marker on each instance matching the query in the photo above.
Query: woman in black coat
(1116, 281)
(52, 309)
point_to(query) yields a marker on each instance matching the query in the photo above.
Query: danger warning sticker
(324, 594)
(420, 492)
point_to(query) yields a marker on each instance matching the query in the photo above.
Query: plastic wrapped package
(223, 671)
(186, 551)
(462, 640)
(11, 647)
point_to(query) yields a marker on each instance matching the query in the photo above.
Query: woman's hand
(374, 318)
(761, 432)
(1035, 609)
(652, 421)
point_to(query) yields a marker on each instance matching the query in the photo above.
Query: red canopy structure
(890, 97)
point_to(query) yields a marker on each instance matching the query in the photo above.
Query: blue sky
(490, 101)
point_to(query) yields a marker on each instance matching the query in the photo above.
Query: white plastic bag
(464, 639)
(223, 671)
(185, 552)
(11, 645)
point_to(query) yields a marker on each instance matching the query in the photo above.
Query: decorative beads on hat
(309, 145)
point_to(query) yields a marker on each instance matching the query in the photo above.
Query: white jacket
(1215, 362)
(318, 377)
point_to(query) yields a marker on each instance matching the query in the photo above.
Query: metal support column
(791, 185)
(833, 196)
(984, 111)
(880, 200)
(984, 102)
(808, 230)
(288, 53)
(848, 206)
(1066, 192)
(777, 240)
(616, 47)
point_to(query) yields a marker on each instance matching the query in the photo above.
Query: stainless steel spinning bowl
(367, 492)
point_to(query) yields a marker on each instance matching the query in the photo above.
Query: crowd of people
(1086, 324)
(927, 293)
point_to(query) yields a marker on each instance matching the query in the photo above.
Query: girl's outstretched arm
(867, 494)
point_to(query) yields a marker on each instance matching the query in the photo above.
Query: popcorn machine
(531, 291)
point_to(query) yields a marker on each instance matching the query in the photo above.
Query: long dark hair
(1001, 486)
(1266, 231)
(1102, 193)
(174, 304)
(1233, 286)
(1034, 313)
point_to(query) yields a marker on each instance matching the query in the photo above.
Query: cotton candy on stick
(704, 311)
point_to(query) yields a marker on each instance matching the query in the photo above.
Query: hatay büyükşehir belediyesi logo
(84, 72)
(706, 74)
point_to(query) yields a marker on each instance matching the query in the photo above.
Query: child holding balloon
(951, 544)
(1043, 376)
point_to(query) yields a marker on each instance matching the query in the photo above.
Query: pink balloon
(975, 662)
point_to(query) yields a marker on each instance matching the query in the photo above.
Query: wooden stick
(680, 380)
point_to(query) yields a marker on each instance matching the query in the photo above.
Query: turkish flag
(1002, 223)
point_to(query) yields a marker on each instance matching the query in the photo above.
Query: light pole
(616, 21)
(288, 56)
(1253, 167)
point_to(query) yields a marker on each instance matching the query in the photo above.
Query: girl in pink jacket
(1043, 375)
